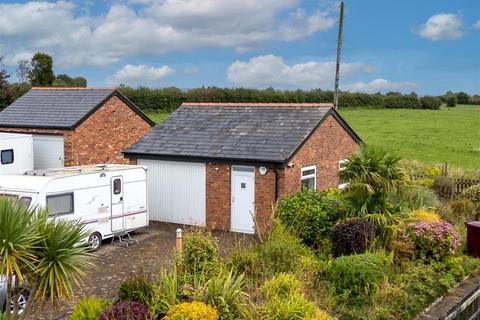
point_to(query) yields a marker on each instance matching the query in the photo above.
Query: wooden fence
(450, 187)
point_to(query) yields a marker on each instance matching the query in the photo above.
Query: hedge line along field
(430, 136)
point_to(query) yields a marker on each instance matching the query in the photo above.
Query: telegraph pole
(339, 50)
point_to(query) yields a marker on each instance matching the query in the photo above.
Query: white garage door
(176, 191)
(47, 151)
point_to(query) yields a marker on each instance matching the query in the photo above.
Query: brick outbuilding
(76, 126)
(224, 165)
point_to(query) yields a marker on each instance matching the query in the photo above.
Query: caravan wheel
(95, 241)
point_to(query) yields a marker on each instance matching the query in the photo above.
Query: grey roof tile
(231, 132)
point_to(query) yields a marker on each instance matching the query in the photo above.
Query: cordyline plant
(40, 254)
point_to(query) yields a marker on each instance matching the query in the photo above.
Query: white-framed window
(342, 166)
(6, 156)
(308, 178)
(59, 204)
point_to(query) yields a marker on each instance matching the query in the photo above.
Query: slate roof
(58, 108)
(254, 132)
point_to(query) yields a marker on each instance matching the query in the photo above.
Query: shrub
(353, 236)
(459, 210)
(424, 215)
(88, 309)
(402, 102)
(200, 255)
(322, 315)
(472, 193)
(225, 293)
(284, 300)
(418, 197)
(164, 293)
(135, 289)
(126, 310)
(359, 274)
(433, 239)
(432, 171)
(443, 185)
(192, 311)
(451, 100)
(310, 215)
(429, 102)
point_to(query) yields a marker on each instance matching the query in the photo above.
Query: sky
(427, 46)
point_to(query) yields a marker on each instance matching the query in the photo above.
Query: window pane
(25, 201)
(7, 156)
(308, 172)
(117, 186)
(60, 204)
(308, 184)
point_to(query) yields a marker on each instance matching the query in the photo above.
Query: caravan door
(116, 191)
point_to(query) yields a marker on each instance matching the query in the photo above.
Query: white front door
(48, 151)
(116, 191)
(243, 199)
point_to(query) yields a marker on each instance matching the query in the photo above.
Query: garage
(48, 151)
(176, 191)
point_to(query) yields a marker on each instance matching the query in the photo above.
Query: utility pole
(339, 50)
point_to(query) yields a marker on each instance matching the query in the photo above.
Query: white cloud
(476, 25)
(140, 75)
(271, 70)
(381, 85)
(442, 26)
(150, 27)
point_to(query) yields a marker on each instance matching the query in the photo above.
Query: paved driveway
(117, 263)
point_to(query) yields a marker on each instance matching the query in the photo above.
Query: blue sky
(427, 46)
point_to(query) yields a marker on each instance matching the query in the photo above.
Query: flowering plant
(432, 239)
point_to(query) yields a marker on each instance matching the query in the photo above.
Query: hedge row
(168, 99)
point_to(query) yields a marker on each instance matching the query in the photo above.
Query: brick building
(76, 126)
(224, 165)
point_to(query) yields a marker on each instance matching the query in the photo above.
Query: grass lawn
(431, 136)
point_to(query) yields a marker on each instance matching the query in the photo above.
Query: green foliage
(136, 289)
(472, 193)
(284, 299)
(458, 211)
(310, 215)
(41, 72)
(63, 80)
(429, 102)
(225, 293)
(164, 293)
(451, 100)
(192, 311)
(416, 196)
(359, 274)
(397, 101)
(3, 85)
(463, 98)
(200, 255)
(88, 309)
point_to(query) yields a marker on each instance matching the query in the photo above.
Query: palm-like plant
(375, 175)
(44, 253)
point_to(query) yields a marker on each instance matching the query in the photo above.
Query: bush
(472, 193)
(322, 315)
(200, 255)
(402, 102)
(429, 102)
(126, 310)
(225, 293)
(353, 236)
(192, 311)
(424, 215)
(284, 300)
(136, 289)
(88, 309)
(310, 215)
(451, 100)
(459, 211)
(418, 197)
(165, 293)
(359, 274)
(444, 186)
(432, 240)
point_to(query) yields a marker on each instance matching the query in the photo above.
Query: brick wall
(218, 202)
(329, 144)
(103, 136)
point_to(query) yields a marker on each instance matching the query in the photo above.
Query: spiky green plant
(43, 254)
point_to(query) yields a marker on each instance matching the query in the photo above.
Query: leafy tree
(41, 253)
(3, 86)
(463, 98)
(23, 70)
(451, 100)
(41, 73)
(64, 80)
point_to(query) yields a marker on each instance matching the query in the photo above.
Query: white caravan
(108, 199)
(16, 153)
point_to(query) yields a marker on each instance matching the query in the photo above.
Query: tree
(3, 86)
(64, 80)
(41, 73)
(23, 70)
(463, 98)
(451, 100)
(41, 254)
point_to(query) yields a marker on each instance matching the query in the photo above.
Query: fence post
(179, 241)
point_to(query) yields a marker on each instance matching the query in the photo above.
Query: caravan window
(7, 156)
(60, 204)
(117, 186)
(25, 201)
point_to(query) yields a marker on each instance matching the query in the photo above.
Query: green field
(430, 136)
